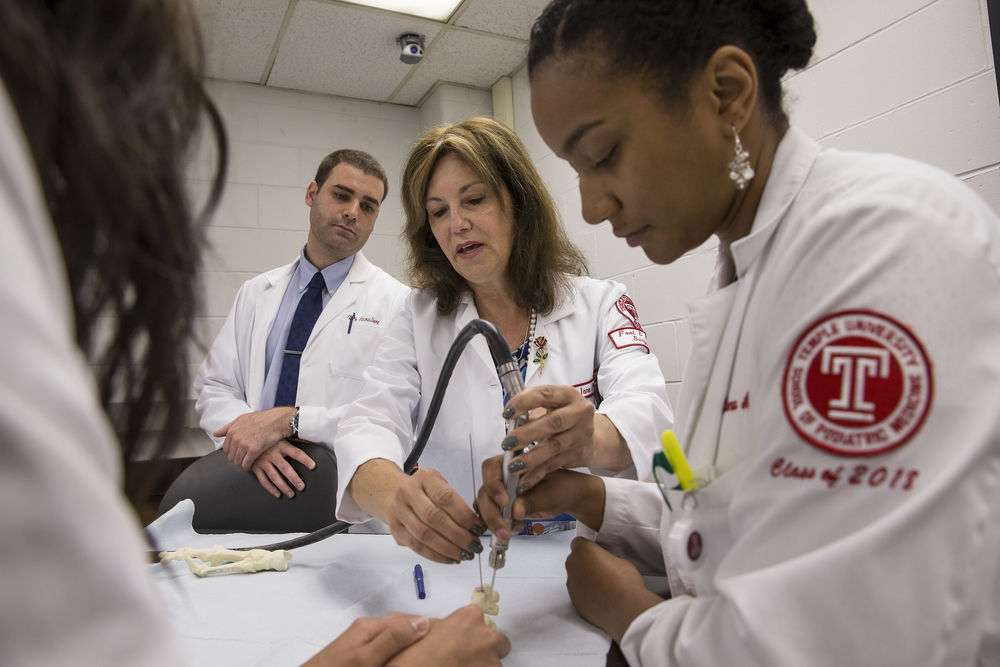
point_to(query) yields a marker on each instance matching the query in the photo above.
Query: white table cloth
(283, 618)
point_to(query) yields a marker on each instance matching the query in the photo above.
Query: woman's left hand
(606, 590)
(564, 433)
(568, 433)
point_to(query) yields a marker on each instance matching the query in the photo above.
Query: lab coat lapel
(706, 323)
(478, 371)
(716, 321)
(544, 327)
(466, 313)
(265, 310)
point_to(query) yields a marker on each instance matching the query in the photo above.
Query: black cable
(500, 354)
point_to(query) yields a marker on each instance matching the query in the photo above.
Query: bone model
(219, 560)
(486, 599)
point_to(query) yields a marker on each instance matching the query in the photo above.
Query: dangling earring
(740, 170)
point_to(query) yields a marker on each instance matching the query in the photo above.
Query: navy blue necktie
(306, 314)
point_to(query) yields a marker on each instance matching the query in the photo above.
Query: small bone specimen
(218, 560)
(486, 599)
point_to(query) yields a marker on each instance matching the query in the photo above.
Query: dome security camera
(411, 48)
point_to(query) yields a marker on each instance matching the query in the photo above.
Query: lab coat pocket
(699, 536)
(695, 545)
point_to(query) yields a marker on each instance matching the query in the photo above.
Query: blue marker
(350, 322)
(418, 578)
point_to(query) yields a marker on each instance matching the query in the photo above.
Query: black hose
(500, 354)
(498, 350)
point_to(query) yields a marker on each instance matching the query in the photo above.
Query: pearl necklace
(541, 349)
(521, 351)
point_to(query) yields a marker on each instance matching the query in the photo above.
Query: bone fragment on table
(219, 560)
(487, 599)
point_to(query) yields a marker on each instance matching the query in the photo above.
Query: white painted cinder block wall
(912, 77)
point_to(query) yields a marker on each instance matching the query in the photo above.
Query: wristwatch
(293, 421)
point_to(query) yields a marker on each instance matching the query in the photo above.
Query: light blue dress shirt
(334, 276)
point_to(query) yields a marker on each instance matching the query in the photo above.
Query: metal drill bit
(472, 464)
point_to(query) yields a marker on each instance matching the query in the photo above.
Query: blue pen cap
(418, 580)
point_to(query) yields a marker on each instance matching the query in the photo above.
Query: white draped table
(283, 618)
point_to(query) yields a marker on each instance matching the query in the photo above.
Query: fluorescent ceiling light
(439, 10)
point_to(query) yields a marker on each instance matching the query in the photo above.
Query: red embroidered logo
(627, 308)
(857, 383)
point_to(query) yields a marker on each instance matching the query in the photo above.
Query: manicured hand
(431, 518)
(564, 431)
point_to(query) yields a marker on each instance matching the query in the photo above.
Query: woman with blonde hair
(485, 242)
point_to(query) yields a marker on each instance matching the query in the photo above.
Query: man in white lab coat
(249, 398)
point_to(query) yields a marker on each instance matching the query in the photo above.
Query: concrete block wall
(912, 77)
(450, 103)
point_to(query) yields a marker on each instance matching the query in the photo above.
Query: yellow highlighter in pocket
(675, 455)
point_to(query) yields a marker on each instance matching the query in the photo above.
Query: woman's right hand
(459, 640)
(427, 515)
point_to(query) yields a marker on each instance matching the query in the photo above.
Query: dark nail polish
(516, 466)
(508, 412)
(450, 561)
(477, 530)
(466, 555)
(474, 545)
(523, 489)
(510, 442)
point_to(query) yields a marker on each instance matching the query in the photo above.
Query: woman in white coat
(485, 242)
(839, 409)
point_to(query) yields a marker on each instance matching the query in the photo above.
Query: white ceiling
(336, 48)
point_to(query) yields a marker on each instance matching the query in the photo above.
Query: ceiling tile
(239, 36)
(471, 58)
(345, 50)
(510, 17)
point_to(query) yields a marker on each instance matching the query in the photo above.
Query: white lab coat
(231, 378)
(73, 586)
(819, 555)
(399, 386)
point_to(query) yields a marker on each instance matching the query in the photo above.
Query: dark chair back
(228, 499)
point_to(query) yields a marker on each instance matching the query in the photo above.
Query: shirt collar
(333, 275)
(793, 161)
